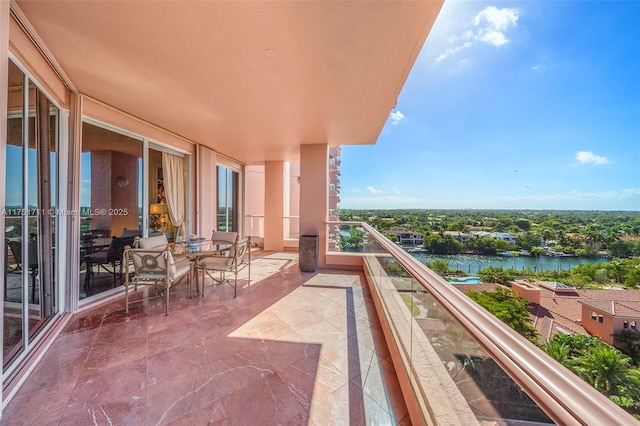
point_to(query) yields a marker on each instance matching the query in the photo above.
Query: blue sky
(512, 105)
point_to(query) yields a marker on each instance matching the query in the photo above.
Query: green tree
(352, 242)
(620, 248)
(495, 274)
(602, 366)
(628, 342)
(439, 266)
(605, 368)
(528, 240)
(510, 309)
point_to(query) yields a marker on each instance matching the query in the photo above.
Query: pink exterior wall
(313, 195)
(531, 293)
(618, 324)
(28, 54)
(124, 199)
(254, 203)
(603, 329)
(274, 205)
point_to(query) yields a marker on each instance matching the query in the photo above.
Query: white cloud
(497, 19)
(490, 26)
(396, 117)
(397, 191)
(373, 190)
(453, 50)
(587, 157)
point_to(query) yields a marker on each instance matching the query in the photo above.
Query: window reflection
(227, 199)
(111, 205)
(30, 214)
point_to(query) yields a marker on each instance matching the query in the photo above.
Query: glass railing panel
(464, 365)
(291, 227)
(453, 363)
(254, 226)
(351, 237)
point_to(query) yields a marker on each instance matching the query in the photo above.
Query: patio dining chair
(230, 259)
(155, 268)
(109, 260)
(16, 251)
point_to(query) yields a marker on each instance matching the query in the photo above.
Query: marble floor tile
(292, 348)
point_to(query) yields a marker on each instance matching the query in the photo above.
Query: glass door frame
(147, 144)
(239, 187)
(61, 144)
(161, 147)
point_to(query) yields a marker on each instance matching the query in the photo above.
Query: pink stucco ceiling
(252, 80)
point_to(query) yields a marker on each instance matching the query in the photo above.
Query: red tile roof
(615, 308)
(563, 310)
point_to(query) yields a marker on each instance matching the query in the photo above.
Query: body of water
(469, 280)
(471, 264)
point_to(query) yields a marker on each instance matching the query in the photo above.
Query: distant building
(558, 308)
(460, 236)
(407, 237)
(605, 318)
(333, 236)
(504, 236)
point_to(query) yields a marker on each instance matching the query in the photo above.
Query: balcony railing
(254, 226)
(456, 362)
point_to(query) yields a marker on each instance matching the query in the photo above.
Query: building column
(314, 189)
(274, 205)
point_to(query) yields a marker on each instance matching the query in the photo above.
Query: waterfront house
(406, 237)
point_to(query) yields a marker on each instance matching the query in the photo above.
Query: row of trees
(593, 226)
(602, 366)
(573, 232)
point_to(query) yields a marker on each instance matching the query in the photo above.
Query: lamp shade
(158, 208)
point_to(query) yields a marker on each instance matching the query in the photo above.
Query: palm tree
(606, 369)
(558, 350)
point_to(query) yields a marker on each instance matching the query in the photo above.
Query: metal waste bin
(308, 253)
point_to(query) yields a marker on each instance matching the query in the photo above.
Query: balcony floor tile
(292, 348)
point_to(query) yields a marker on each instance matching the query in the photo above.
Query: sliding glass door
(110, 205)
(30, 296)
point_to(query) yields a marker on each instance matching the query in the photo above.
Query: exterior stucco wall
(530, 293)
(313, 195)
(274, 205)
(21, 46)
(603, 329)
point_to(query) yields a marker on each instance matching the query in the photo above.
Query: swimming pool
(468, 280)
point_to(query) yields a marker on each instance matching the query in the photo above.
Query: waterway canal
(471, 264)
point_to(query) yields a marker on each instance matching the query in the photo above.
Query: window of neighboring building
(633, 325)
(594, 316)
(332, 187)
(625, 324)
(600, 318)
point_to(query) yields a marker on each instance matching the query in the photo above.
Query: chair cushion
(225, 237)
(159, 241)
(179, 269)
(216, 263)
